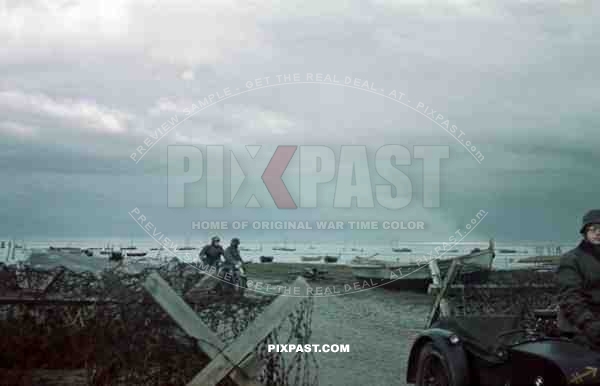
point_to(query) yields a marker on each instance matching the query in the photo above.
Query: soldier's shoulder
(570, 256)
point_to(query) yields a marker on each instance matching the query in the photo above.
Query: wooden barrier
(238, 360)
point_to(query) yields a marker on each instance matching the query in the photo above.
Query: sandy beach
(378, 324)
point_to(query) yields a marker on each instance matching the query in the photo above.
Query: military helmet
(215, 238)
(235, 240)
(591, 217)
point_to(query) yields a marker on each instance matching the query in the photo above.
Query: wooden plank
(440, 297)
(191, 323)
(436, 276)
(244, 346)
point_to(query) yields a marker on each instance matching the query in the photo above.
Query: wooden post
(436, 275)
(440, 297)
(191, 323)
(9, 244)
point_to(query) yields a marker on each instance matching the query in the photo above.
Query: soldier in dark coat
(232, 258)
(211, 253)
(579, 280)
(232, 254)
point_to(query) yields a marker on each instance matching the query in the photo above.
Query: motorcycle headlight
(454, 339)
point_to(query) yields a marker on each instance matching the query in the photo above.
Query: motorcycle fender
(454, 353)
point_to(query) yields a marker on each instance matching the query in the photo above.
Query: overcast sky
(83, 84)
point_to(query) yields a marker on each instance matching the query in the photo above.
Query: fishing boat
(331, 259)
(311, 258)
(401, 250)
(136, 253)
(417, 276)
(284, 248)
(246, 249)
(266, 259)
(355, 247)
(187, 246)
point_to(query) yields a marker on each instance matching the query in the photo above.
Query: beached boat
(70, 250)
(266, 259)
(358, 260)
(331, 259)
(311, 258)
(415, 276)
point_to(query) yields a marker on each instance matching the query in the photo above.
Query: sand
(378, 324)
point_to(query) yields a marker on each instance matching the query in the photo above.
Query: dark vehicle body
(469, 351)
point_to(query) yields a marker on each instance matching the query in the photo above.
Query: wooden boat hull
(412, 276)
(331, 259)
(266, 259)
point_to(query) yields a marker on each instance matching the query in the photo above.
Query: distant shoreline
(540, 259)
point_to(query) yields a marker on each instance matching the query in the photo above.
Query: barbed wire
(109, 325)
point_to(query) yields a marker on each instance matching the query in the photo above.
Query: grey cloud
(519, 78)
